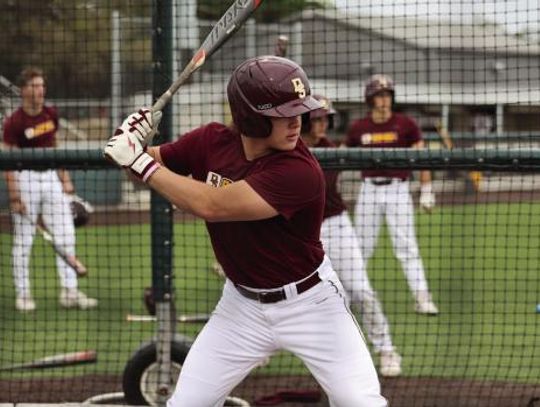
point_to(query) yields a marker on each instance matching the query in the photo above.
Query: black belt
(269, 297)
(384, 181)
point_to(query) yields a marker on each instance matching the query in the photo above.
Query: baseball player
(342, 247)
(35, 192)
(261, 193)
(385, 193)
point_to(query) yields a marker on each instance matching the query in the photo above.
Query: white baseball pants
(316, 326)
(342, 246)
(41, 192)
(392, 202)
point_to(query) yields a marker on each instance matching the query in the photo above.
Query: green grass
(482, 263)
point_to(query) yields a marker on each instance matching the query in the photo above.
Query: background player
(385, 193)
(32, 193)
(261, 193)
(341, 245)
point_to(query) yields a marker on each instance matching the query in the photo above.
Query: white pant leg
(233, 342)
(400, 219)
(57, 218)
(24, 230)
(342, 246)
(368, 215)
(319, 328)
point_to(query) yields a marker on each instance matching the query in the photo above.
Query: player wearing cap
(342, 247)
(32, 193)
(261, 193)
(385, 194)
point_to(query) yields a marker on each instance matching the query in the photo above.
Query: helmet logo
(299, 87)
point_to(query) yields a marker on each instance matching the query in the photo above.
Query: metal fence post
(161, 209)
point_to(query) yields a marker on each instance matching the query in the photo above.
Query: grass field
(482, 263)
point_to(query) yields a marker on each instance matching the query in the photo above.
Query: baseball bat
(60, 360)
(227, 25)
(179, 318)
(71, 260)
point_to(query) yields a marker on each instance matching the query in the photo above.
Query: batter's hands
(126, 149)
(427, 198)
(143, 125)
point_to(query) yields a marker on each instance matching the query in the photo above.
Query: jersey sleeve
(288, 184)
(353, 138)
(9, 135)
(180, 156)
(414, 134)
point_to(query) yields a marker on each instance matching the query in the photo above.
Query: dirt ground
(400, 392)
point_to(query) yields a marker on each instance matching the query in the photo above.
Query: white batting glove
(143, 124)
(125, 149)
(427, 197)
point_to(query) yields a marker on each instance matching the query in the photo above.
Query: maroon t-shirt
(334, 202)
(24, 131)
(398, 132)
(265, 253)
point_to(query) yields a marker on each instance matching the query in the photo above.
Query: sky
(514, 15)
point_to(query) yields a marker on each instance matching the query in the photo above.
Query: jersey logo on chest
(39, 130)
(379, 138)
(216, 180)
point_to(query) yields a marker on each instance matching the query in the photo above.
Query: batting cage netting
(428, 133)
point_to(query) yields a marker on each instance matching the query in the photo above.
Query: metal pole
(161, 209)
(499, 120)
(116, 72)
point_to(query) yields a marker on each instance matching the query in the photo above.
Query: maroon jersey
(24, 131)
(334, 202)
(265, 253)
(399, 131)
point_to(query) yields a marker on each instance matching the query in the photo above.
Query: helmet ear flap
(261, 124)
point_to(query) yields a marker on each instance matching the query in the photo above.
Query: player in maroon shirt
(261, 193)
(31, 193)
(342, 247)
(385, 193)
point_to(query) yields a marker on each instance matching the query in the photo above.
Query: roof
(431, 33)
(434, 93)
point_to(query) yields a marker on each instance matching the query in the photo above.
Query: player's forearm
(425, 177)
(67, 184)
(184, 192)
(12, 186)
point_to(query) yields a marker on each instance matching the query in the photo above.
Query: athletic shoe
(424, 304)
(73, 298)
(390, 364)
(25, 304)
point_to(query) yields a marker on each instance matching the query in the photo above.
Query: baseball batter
(341, 245)
(261, 193)
(385, 193)
(32, 193)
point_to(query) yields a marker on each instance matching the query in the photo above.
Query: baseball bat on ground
(71, 260)
(179, 318)
(60, 360)
(227, 25)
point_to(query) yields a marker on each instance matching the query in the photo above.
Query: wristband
(144, 166)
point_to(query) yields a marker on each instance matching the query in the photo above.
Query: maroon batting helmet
(376, 84)
(265, 87)
(325, 111)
